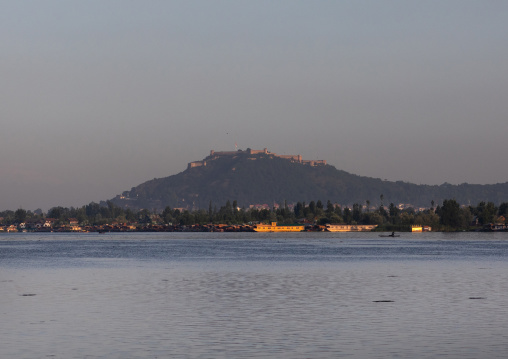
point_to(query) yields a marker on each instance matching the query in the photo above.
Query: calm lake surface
(254, 295)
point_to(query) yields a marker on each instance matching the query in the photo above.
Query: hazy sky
(99, 96)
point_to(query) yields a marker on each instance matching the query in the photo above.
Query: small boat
(389, 235)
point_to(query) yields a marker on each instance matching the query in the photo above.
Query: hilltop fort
(252, 177)
(249, 152)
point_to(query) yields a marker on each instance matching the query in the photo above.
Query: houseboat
(273, 227)
(350, 227)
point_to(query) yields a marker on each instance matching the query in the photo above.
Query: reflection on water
(249, 296)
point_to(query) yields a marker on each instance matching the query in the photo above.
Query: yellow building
(416, 228)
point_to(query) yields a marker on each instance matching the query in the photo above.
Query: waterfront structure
(273, 227)
(416, 228)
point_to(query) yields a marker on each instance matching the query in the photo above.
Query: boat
(350, 227)
(274, 227)
(389, 235)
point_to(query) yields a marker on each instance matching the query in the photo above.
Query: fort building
(249, 152)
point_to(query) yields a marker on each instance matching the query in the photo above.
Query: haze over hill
(260, 177)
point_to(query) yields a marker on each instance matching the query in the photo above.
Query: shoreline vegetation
(107, 217)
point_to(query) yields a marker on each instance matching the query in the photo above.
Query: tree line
(448, 216)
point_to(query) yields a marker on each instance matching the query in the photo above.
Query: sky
(97, 97)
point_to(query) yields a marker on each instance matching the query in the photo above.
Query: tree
(373, 218)
(452, 215)
(334, 218)
(449, 213)
(81, 215)
(312, 207)
(144, 216)
(427, 218)
(486, 212)
(329, 208)
(405, 218)
(20, 215)
(357, 213)
(347, 215)
(187, 219)
(59, 213)
(91, 209)
(503, 210)
(167, 215)
(338, 210)
(130, 216)
(298, 210)
(393, 212)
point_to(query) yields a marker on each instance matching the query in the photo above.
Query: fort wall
(196, 164)
(257, 152)
(293, 158)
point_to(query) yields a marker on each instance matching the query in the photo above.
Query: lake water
(253, 295)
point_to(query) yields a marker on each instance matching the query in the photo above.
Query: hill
(259, 177)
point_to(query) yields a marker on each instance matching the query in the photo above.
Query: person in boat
(393, 234)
